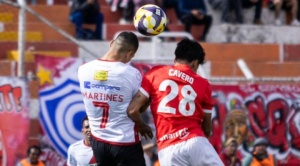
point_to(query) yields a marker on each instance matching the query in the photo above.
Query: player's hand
(145, 130)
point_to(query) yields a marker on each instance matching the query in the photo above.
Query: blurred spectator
(194, 12)
(258, 9)
(229, 155)
(232, 5)
(140, 3)
(33, 154)
(216, 4)
(129, 7)
(168, 4)
(118, 3)
(86, 12)
(288, 5)
(127, 12)
(237, 6)
(259, 155)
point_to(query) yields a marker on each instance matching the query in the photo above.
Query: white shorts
(196, 151)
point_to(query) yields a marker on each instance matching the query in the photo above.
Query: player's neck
(87, 142)
(111, 56)
(178, 63)
(182, 62)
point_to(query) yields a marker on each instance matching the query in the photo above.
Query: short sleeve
(207, 103)
(146, 84)
(136, 81)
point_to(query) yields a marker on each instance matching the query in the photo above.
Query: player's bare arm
(139, 104)
(206, 124)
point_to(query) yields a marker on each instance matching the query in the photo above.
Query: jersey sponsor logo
(101, 75)
(181, 134)
(88, 85)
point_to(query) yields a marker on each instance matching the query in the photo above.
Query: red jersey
(179, 98)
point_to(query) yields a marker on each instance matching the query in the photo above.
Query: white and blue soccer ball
(150, 20)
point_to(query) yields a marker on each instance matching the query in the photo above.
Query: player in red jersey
(181, 105)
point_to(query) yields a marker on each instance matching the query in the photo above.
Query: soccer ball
(150, 20)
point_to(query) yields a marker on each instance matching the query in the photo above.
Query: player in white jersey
(80, 153)
(108, 85)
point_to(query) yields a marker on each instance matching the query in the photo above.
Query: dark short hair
(189, 50)
(84, 119)
(128, 40)
(34, 147)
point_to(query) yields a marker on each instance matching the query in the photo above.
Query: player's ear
(111, 42)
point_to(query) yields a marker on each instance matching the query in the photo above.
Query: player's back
(107, 88)
(178, 98)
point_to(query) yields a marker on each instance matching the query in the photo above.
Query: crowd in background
(188, 12)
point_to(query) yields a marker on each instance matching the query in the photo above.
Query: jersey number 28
(188, 98)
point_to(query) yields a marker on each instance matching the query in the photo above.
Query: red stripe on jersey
(93, 160)
(136, 134)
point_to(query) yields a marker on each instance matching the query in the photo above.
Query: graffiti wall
(14, 120)
(260, 110)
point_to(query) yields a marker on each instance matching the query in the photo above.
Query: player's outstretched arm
(206, 124)
(137, 105)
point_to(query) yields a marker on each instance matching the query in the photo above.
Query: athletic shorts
(116, 155)
(196, 151)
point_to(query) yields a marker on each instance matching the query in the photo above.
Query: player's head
(86, 131)
(33, 154)
(126, 45)
(190, 52)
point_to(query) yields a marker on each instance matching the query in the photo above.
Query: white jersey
(80, 154)
(107, 88)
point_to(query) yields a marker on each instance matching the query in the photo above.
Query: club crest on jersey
(101, 75)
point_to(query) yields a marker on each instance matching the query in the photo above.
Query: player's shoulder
(201, 80)
(158, 68)
(127, 70)
(87, 64)
(131, 69)
(76, 144)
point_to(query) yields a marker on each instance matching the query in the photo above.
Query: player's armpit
(206, 124)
